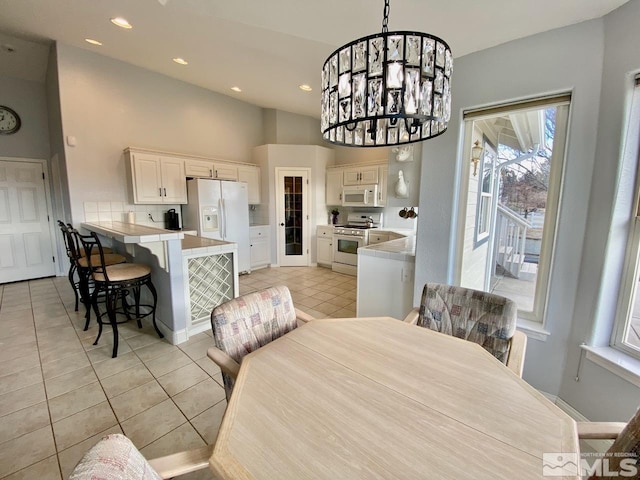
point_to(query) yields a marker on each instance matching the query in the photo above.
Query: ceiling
(265, 47)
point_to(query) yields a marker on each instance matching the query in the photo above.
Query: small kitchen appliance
(172, 219)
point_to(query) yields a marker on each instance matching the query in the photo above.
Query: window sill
(533, 329)
(617, 362)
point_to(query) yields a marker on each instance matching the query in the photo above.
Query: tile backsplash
(118, 211)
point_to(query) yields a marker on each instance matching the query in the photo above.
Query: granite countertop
(132, 232)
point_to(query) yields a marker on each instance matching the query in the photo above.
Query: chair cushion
(246, 323)
(109, 259)
(114, 458)
(480, 317)
(123, 272)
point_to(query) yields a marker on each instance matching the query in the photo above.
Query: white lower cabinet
(260, 246)
(324, 252)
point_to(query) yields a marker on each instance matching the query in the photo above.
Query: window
(485, 192)
(626, 335)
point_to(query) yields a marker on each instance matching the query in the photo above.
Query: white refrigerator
(220, 210)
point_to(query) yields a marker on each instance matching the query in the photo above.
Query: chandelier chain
(385, 20)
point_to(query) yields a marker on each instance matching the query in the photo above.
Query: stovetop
(361, 227)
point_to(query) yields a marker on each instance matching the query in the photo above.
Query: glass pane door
(293, 215)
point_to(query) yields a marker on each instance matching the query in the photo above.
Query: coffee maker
(172, 219)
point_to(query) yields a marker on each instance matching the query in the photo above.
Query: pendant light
(387, 89)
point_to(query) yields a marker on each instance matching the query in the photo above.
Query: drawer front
(256, 233)
(378, 238)
(324, 232)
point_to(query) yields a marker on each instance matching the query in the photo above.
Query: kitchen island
(191, 274)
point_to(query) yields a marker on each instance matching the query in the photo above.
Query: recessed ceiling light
(181, 61)
(92, 41)
(121, 22)
(236, 89)
(305, 87)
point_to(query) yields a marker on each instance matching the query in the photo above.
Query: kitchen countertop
(192, 245)
(132, 232)
(398, 249)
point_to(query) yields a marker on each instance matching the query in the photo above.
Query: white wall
(560, 60)
(108, 105)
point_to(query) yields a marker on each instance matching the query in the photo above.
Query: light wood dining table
(377, 398)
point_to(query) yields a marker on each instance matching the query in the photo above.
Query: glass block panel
(358, 135)
(438, 84)
(359, 100)
(325, 76)
(375, 56)
(333, 71)
(392, 135)
(393, 101)
(344, 87)
(425, 98)
(381, 132)
(428, 59)
(340, 133)
(375, 98)
(333, 108)
(403, 133)
(325, 135)
(395, 75)
(332, 135)
(437, 106)
(446, 101)
(324, 118)
(413, 51)
(440, 54)
(345, 59)
(395, 46)
(448, 63)
(348, 136)
(345, 109)
(359, 56)
(426, 130)
(412, 91)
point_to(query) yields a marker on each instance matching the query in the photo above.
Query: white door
(25, 236)
(293, 217)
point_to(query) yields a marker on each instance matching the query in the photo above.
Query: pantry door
(26, 249)
(293, 217)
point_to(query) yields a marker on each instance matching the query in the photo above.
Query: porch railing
(511, 235)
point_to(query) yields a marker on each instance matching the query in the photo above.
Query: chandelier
(387, 89)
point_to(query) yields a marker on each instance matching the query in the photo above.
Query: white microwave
(360, 196)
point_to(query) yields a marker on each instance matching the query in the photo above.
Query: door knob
(282, 224)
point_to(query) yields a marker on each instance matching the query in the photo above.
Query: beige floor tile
(126, 380)
(198, 398)
(327, 308)
(342, 313)
(9, 352)
(198, 350)
(139, 341)
(24, 421)
(61, 351)
(137, 400)
(23, 398)
(185, 437)
(70, 457)
(182, 378)
(75, 401)
(69, 381)
(204, 474)
(152, 424)
(324, 296)
(335, 290)
(116, 365)
(46, 469)
(209, 366)
(20, 364)
(208, 422)
(340, 301)
(68, 364)
(23, 336)
(104, 352)
(82, 425)
(15, 381)
(167, 363)
(26, 450)
(308, 302)
(155, 350)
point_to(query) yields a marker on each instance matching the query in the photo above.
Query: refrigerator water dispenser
(210, 219)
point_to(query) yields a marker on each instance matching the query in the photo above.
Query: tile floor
(59, 394)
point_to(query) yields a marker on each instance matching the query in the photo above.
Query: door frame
(306, 243)
(57, 267)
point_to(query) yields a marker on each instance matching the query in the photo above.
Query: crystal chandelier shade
(387, 89)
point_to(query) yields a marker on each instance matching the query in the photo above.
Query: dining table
(378, 398)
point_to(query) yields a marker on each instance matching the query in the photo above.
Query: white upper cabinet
(251, 176)
(334, 187)
(382, 184)
(361, 175)
(199, 168)
(225, 171)
(155, 179)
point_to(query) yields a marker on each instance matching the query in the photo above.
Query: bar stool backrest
(93, 251)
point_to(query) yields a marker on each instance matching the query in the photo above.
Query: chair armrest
(227, 364)
(303, 317)
(182, 463)
(518, 347)
(599, 430)
(412, 317)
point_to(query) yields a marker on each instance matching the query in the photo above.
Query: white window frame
(485, 200)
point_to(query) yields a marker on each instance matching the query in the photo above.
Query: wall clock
(9, 121)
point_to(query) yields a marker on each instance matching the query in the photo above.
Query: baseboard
(173, 337)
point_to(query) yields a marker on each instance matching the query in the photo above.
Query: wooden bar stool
(116, 282)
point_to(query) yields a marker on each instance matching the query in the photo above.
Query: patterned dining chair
(480, 317)
(247, 323)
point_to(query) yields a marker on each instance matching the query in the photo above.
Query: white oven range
(347, 240)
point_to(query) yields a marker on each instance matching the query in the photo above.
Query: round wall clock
(9, 121)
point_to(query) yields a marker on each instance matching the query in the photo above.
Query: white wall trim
(174, 338)
(616, 362)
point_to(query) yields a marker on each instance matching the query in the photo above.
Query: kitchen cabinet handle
(216, 173)
(165, 192)
(211, 172)
(340, 196)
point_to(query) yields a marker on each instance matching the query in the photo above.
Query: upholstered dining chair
(626, 445)
(480, 317)
(248, 322)
(116, 457)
